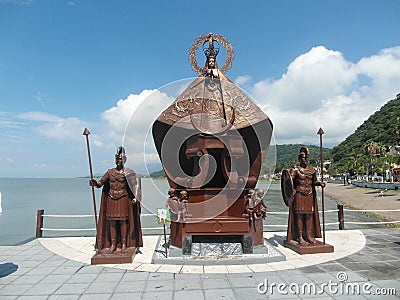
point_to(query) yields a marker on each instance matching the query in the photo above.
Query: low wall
(377, 185)
(336, 181)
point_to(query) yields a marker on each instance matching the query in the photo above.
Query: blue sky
(67, 65)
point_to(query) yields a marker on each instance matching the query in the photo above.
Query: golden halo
(216, 37)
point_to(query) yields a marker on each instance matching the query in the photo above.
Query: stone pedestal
(318, 247)
(117, 257)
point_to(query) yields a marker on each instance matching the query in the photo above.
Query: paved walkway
(31, 271)
(365, 265)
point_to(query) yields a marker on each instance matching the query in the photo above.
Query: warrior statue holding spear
(119, 217)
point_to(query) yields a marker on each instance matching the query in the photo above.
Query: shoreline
(366, 199)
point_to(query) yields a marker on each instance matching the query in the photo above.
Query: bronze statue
(177, 203)
(212, 142)
(304, 225)
(119, 219)
(255, 207)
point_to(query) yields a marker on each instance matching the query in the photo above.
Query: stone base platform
(216, 253)
(81, 249)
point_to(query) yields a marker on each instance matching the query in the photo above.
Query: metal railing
(340, 217)
(41, 215)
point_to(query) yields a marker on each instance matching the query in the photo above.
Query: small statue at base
(119, 218)
(304, 225)
(177, 203)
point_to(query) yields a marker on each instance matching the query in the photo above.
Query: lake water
(22, 197)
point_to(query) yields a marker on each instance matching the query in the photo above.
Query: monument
(299, 194)
(118, 227)
(212, 141)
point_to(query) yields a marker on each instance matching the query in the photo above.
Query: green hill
(287, 155)
(380, 130)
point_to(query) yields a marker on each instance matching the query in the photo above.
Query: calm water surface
(22, 197)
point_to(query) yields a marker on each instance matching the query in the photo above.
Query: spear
(86, 133)
(320, 133)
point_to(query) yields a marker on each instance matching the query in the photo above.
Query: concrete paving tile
(161, 276)
(159, 285)
(299, 279)
(109, 277)
(71, 263)
(32, 297)
(272, 277)
(147, 268)
(312, 269)
(320, 278)
(42, 289)
(82, 278)
(100, 287)
(169, 269)
(353, 277)
(238, 269)
(388, 283)
(96, 297)
(64, 297)
(33, 279)
(334, 267)
(374, 275)
(31, 263)
(45, 270)
(212, 283)
(222, 293)
(216, 269)
(188, 276)
(124, 296)
(261, 268)
(113, 270)
(65, 270)
(135, 276)
(72, 288)
(244, 281)
(183, 285)
(213, 276)
(15, 289)
(55, 278)
(87, 269)
(192, 269)
(130, 287)
(248, 293)
(357, 266)
(166, 295)
(192, 294)
(8, 279)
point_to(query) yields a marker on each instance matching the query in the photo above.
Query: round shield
(287, 187)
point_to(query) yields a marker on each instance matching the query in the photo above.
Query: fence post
(341, 216)
(39, 223)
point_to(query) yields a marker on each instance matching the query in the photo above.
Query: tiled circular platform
(81, 249)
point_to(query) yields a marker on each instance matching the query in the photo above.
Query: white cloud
(55, 127)
(118, 116)
(40, 117)
(133, 117)
(242, 79)
(322, 88)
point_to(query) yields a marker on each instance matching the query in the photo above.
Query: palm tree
(373, 150)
